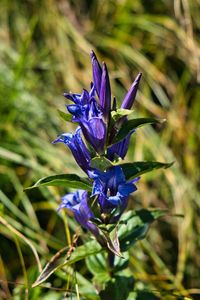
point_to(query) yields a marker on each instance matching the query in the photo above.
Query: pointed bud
(130, 96)
(97, 72)
(105, 93)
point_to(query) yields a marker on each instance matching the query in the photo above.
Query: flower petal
(105, 92)
(120, 149)
(78, 148)
(97, 72)
(94, 132)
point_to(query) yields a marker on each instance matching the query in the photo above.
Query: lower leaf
(134, 226)
(67, 256)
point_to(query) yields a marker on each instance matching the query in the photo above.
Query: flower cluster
(99, 122)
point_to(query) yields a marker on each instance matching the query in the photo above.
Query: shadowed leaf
(64, 257)
(130, 125)
(101, 163)
(65, 116)
(132, 170)
(134, 226)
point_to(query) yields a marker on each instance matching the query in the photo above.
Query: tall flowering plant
(99, 145)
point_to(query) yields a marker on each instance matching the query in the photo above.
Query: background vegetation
(44, 51)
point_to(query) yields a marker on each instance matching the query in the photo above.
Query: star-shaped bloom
(112, 187)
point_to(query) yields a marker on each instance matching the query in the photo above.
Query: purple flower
(112, 187)
(77, 147)
(83, 98)
(120, 149)
(97, 72)
(105, 93)
(77, 203)
(94, 131)
(85, 112)
(92, 111)
(89, 115)
(102, 84)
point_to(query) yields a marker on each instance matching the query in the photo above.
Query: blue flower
(102, 85)
(120, 149)
(77, 147)
(105, 93)
(88, 113)
(91, 115)
(94, 131)
(97, 72)
(112, 187)
(83, 98)
(77, 203)
(92, 111)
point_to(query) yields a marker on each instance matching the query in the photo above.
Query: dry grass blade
(21, 236)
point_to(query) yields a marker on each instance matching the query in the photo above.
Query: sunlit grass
(44, 51)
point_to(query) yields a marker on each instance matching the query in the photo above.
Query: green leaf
(121, 263)
(111, 240)
(67, 256)
(121, 112)
(142, 295)
(118, 287)
(134, 226)
(68, 180)
(112, 243)
(101, 163)
(65, 116)
(97, 265)
(51, 266)
(129, 125)
(132, 170)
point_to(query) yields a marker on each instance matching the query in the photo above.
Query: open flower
(88, 113)
(93, 115)
(77, 147)
(77, 203)
(112, 187)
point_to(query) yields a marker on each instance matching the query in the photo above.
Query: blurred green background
(44, 51)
